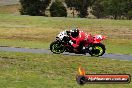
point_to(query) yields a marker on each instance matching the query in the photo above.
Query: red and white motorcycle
(61, 44)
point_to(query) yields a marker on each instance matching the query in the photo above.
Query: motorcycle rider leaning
(79, 40)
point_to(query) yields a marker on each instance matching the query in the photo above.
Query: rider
(79, 40)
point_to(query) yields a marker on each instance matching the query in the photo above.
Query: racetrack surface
(47, 51)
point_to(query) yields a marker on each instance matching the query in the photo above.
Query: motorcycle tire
(97, 50)
(56, 47)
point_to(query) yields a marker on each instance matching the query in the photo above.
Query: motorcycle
(61, 44)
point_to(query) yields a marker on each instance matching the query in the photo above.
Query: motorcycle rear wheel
(97, 50)
(56, 47)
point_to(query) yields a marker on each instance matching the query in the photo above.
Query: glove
(68, 33)
(71, 42)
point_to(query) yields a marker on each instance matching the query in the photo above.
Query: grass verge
(20, 70)
(24, 43)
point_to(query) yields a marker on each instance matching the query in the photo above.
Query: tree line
(116, 9)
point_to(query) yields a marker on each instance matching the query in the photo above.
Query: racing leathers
(81, 41)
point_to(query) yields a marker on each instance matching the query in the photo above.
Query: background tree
(57, 9)
(129, 11)
(115, 8)
(71, 4)
(81, 6)
(34, 7)
(129, 15)
(98, 9)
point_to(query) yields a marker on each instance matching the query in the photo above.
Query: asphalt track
(47, 51)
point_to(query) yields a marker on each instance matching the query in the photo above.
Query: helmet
(74, 32)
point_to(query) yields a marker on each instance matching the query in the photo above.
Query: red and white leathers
(82, 37)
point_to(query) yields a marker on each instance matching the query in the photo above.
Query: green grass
(24, 43)
(38, 32)
(58, 22)
(119, 46)
(26, 70)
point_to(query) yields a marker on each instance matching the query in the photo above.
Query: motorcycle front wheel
(97, 50)
(57, 48)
